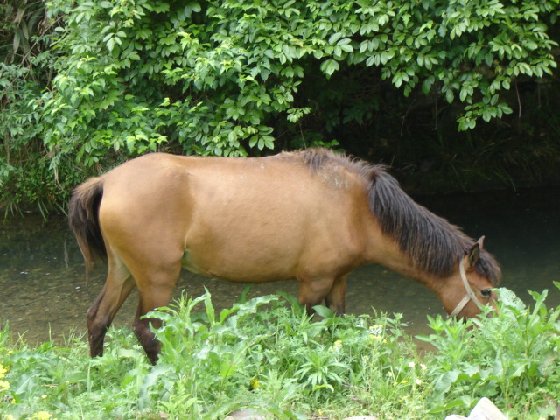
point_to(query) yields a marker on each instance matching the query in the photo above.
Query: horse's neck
(385, 251)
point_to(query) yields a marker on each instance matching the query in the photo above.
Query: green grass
(267, 354)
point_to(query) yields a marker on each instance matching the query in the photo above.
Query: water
(43, 291)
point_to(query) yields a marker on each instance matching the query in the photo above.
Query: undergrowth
(267, 354)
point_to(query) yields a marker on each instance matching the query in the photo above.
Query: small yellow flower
(42, 415)
(3, 371)
(423, 366)
(4, 385)
(337, 344)
(254, 383)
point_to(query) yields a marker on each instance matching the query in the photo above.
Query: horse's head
(471, 286)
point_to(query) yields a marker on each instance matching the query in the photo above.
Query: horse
(311, 215)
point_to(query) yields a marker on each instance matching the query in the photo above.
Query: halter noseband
(470, 293)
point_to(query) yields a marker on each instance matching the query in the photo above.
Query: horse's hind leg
(155, 290)
(100, 315)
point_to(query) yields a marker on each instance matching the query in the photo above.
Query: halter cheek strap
(470, 293)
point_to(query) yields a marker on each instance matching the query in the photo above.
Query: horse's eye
(486, 293)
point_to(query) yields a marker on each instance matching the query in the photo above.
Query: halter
(470, 293)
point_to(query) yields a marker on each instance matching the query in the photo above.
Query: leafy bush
(513, 358)
(265, 355)
(223, 77)
(270, 356)
(27, 177)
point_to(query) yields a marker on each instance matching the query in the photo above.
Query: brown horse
(309, 215)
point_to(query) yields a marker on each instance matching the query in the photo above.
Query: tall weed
(512, 358)
(266, 353)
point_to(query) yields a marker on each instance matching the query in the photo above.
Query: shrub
(513, 359)
(267, 354)
(221, 78)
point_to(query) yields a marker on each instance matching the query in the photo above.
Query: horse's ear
(481, 241)
(473, 253)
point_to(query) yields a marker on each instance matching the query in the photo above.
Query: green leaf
(334, 38)
(111, 44)
(329, 66)
(427, 85)
(449, 96)
(323, 311)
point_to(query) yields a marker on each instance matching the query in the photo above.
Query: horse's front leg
(313, 291)
(336, 298)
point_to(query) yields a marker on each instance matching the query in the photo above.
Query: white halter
(470, 293)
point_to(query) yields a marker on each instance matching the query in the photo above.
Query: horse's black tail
(83, 218)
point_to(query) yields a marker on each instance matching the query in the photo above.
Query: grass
(268, 355)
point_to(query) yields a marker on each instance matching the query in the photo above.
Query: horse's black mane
(433, 244)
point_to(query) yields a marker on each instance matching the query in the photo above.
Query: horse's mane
(432, 243)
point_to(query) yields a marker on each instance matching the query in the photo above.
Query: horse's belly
(238, 268)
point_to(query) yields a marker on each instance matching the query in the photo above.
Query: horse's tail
(83, 218)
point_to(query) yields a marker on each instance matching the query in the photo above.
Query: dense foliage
(269, 356)
(87, 83)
